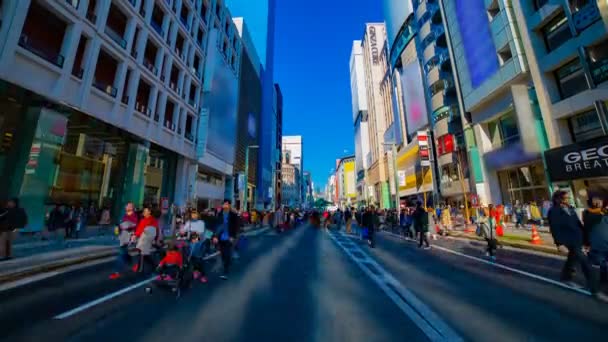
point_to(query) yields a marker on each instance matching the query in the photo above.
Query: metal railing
(108, 89)
(41, 51)
(116, 37)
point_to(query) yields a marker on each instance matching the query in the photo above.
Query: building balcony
(585, 15)
(106, 88)
(78, 72)
(41, 51)
(73, 3)
(425, 29)
(440, 99)
(184, 22)
(150, 66)
(189, 136)
(170, 125)
(157, 27)
(91, 17)
(117, 38)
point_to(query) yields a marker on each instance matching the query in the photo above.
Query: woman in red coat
(147, 234)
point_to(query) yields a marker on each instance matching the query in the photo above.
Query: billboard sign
(423, 149)
(414, 98)
(479, 49)
(221, 103)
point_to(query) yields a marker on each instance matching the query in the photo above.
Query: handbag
(499, 230)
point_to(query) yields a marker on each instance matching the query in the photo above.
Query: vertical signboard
(423, 148)
(414, 98)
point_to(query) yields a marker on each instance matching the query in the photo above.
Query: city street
(313, 285)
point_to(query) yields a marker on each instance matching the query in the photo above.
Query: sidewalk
(33, 256)
(513, 237)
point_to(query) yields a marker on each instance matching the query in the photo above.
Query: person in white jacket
(194, 231)
(194, 225)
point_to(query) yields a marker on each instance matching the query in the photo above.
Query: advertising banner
(586, 159)
(479, 50)
(221, 102)
(414, 98)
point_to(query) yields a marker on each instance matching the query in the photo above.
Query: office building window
(571, 79)
(504, 131)
(598, 61)
(556, 32)
(538, 4)
(505, 54)
(584, 13)
(585, 126)
(493, 10)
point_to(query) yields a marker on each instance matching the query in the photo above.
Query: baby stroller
(174, 269)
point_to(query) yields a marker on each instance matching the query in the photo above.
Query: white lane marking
(507, 268)
(112, 295)
(102, 299)
(420, 314)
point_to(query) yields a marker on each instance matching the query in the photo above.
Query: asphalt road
(311, 285)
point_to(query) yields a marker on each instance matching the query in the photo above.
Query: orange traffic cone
(469, 229)
(535, 237)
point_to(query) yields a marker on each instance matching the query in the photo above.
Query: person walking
(591, 217)
(489, 233)
(194, 231)
(370, 223)
(12, 218)
(348, 217)
(126, 228)
(567, 232)
(519, 214)
(421, 225)
(146, 233)
(598, 249)
(226, 234)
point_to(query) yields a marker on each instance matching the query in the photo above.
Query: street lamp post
(246, 194)
(395, 173)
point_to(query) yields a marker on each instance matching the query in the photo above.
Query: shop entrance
(525, 184)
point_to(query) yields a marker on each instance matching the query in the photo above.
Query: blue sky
(312, 50)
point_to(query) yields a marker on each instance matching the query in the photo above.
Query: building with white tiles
(108, 101)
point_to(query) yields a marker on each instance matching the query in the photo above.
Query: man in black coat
(567, 231)
(12, 218)
(420, 220)
(229, 226)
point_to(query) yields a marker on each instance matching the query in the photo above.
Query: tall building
(291, 179)
(345, 177)
(249, 115)
(293, 144)
(566, 45)
(106, 102)
(360, 119)
(377, 178)
(499, 99)
(260, 15)
(279, 141)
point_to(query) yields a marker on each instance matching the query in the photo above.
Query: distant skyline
(313, 45)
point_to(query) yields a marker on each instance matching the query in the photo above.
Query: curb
(23, 273)
(71, 261)
(530, 247)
